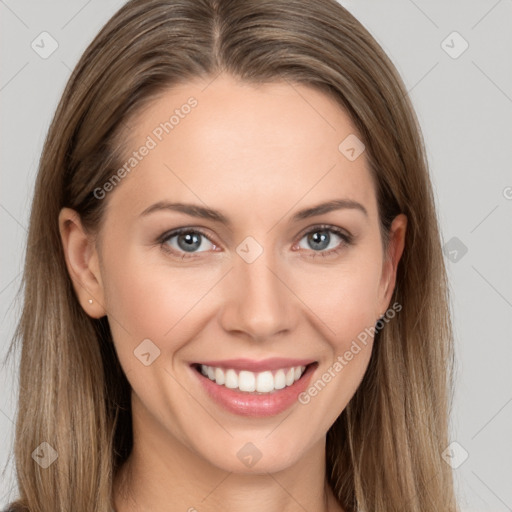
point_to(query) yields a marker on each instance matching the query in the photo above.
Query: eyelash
(346, 240)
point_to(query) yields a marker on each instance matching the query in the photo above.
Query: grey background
(464, 105)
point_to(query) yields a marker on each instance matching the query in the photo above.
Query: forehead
(267, 145)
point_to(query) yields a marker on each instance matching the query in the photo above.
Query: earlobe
(82, 263)
(395, 250)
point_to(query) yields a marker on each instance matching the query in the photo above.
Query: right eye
(184, 242)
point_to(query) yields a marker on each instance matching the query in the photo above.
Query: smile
(246, 380)
(254, 388)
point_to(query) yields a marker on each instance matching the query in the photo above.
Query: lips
(255, 388)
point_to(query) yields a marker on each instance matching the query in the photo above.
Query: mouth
(256, 389)
(247, 381)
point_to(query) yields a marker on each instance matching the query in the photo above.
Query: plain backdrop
(455, 58)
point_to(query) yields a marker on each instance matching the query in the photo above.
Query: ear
(82, 263)
(392, 256)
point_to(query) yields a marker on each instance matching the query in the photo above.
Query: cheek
(344, 298)
(345, 301)
(152, 301)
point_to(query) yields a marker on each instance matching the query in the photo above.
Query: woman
(188, 341)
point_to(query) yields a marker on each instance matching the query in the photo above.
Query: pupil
(192, 241)
(319, 239)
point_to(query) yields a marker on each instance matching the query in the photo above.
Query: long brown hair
(384, 450)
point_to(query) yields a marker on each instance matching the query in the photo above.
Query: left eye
(321, 239)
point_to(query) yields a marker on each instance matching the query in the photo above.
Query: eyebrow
(207, 213)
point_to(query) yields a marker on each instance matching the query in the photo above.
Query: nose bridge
(257, 302)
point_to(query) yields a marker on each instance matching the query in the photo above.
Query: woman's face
(259, 283)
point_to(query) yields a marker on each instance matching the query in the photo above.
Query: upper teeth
(262, 382)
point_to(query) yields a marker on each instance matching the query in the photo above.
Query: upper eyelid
(179, 231)
(326, 227)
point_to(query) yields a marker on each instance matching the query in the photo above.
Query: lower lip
(253, 404)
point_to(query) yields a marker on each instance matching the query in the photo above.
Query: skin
(258, 154)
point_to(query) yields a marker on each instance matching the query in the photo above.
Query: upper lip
(273, 363)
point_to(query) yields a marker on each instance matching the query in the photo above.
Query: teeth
(246, 381)
(265, 382)
(219, 376)
(279, 380)
(262, 382)
(231, 379)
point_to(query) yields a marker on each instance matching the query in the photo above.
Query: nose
(257, 300)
